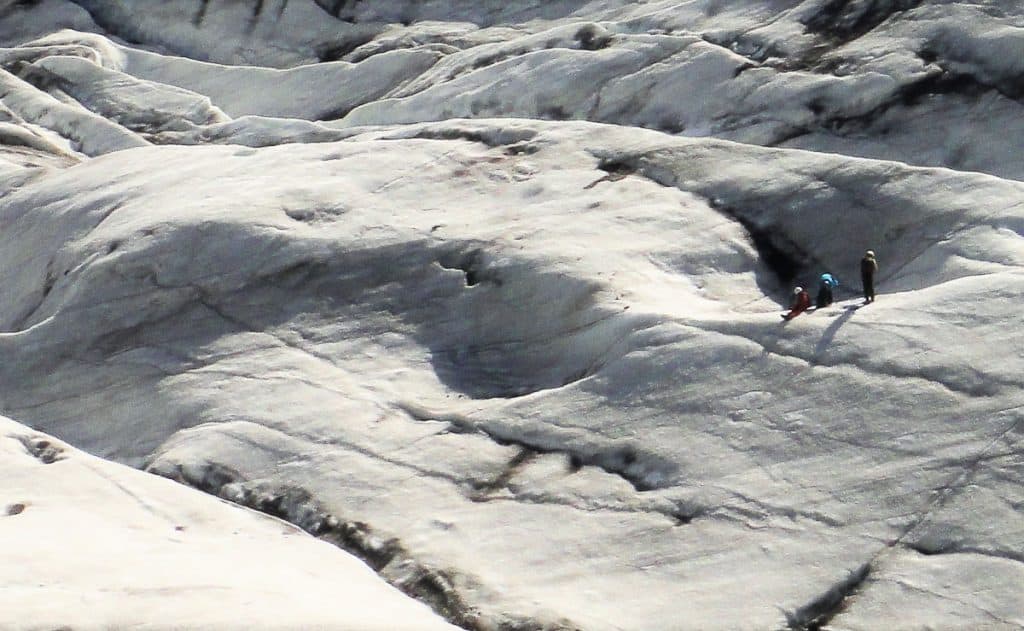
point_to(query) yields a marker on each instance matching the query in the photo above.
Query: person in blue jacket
(826, 284)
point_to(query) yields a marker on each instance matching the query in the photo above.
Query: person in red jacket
(801, 301)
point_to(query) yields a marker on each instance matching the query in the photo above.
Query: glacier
(481, 300)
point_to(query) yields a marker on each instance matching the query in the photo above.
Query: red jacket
(801, 302)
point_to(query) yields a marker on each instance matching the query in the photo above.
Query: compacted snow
(94, 545)
(488, 295)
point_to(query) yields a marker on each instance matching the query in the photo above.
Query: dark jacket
(868, 267)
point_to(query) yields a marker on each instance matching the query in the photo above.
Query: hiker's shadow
(830, 332)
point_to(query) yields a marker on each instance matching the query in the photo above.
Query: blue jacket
(830, 280)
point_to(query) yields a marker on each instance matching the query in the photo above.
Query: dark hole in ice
(616, 167)
(471, 264)
(783, 257)
(555, 112)
(589, 38)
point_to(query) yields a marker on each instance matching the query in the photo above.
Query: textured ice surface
(488, 294)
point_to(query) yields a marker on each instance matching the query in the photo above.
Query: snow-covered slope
(88, 544)
(490, 296)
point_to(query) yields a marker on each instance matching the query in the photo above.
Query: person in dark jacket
(868, 269)
(826, 284)
(801, 302)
